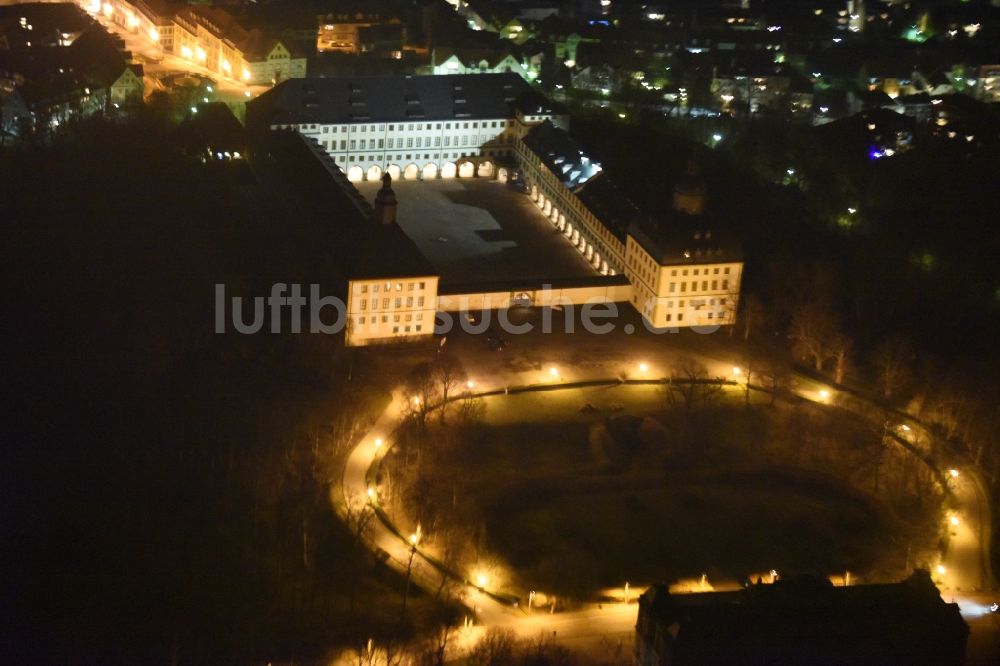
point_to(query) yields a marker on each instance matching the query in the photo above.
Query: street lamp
(481, 580)
(941, 569)
(470, 384)
(737, 371)
(554, 372)
(379, 442)
(824, 394)
(643, 368)
(953, 473)
(954, 521)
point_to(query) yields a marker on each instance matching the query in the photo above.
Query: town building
(350, 32)
(476, 61)
(802, 621)
(59, 64)
(206, 36)
(676, 266)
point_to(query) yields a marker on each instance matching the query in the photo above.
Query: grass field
(583, 488)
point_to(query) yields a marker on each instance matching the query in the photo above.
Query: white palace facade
(675, 267)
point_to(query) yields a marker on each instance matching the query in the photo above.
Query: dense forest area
(167, 489)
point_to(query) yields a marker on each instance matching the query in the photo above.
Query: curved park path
(609, 627)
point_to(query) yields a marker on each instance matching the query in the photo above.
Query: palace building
(675, 265)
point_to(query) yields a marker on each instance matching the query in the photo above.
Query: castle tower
(385, 202)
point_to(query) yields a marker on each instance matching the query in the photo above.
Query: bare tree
(840, 349)
(892, 360)
(775, 369)
(814, 330)
(421, 392)
(495, 648)
(449, 375)
(690, 380)
(751, 314)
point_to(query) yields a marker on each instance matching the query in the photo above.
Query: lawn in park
(582, 488)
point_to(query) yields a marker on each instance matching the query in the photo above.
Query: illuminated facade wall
(390, 309)
(192, 35)
(683, 294)
(589, 236)
(412, 150)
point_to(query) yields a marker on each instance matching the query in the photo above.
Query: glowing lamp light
(824, 394)
(378, 442)
(186, 51)
(737, 371)
(553, 371)
(154, 34)
(941, 569)
(953, 473)
(226, 67)
(413, 539)
(132, 21)
(200, 54)
(643, 368)
(481, 580)
(904, 428)
(470, 384)
(371, 493)
(108, 9)
(416, 400)
(954, 521)
(246, 75)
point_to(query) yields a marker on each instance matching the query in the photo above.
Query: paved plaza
(477, 232)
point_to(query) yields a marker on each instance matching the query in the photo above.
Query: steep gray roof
(388, 99)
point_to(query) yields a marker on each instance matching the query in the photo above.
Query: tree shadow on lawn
(729, 524)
